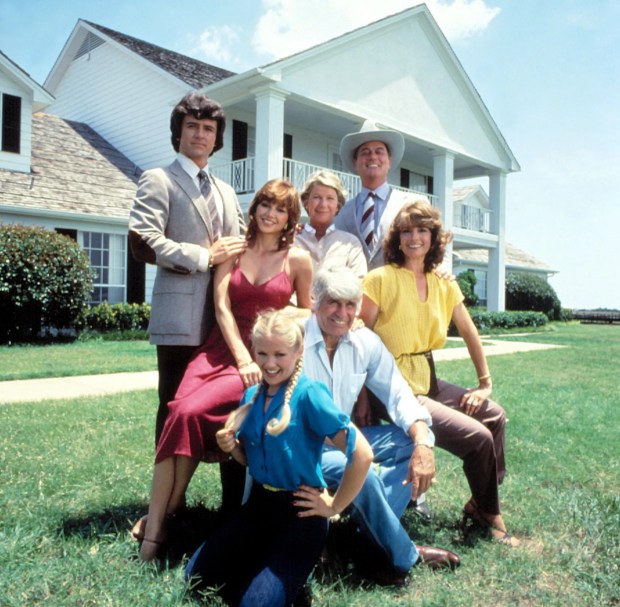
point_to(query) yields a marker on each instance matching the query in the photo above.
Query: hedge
(486, 321)
(107, 317)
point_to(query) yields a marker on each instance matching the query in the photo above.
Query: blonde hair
(327, 179)
(284, 326)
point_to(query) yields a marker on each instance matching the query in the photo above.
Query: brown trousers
(478, 440)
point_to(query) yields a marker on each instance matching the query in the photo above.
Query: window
(11, 123)
(415, 181)
(480, 289)
(107, 255)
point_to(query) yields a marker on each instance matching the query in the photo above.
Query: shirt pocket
(354, 384)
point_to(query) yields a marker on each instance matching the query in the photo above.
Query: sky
(548, 71)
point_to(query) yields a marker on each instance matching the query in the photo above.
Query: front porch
(240, 174)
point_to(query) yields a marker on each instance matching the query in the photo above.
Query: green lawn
(78, 358)
(76, 473)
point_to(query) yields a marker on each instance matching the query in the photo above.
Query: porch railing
(472, 218)
(240, 175)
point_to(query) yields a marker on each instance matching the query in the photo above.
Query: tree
(531, 292)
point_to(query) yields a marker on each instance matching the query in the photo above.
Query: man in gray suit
(185, 221)
(371, 153)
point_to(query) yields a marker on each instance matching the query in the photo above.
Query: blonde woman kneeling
(265, 552)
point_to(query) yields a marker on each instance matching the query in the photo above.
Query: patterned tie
(205, 189)
(368, 221)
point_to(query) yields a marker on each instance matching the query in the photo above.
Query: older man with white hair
(404, 465)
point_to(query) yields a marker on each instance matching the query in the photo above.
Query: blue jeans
(263, 554)
(383, 498)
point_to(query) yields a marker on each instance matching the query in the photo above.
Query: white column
(443, 185)
(496, 277)
(269, 135)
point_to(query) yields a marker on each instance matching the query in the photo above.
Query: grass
(76, 473)
(78, 358)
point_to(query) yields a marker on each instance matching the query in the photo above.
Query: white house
(287, 117)
(63, 176)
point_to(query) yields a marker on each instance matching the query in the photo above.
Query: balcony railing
(240, 175)
(472, 218)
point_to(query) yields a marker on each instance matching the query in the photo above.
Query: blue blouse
(292, 458)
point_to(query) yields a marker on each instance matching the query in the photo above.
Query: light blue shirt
(361, 359)
(292, 458)
(382, 194)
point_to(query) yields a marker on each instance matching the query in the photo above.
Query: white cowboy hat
(370, 132)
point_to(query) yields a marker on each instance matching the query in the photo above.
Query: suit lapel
(186, 184)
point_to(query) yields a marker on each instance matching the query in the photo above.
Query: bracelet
(483, 377)
(243, 365)
(425, 443)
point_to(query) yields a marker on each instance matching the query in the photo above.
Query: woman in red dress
(265, 276)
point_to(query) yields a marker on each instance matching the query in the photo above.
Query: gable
(402, 73)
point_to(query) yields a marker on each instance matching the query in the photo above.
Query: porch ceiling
(330, 122)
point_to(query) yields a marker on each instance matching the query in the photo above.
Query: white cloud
(289, 26)
(217, 43)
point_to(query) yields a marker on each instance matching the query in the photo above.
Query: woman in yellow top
(410, 308)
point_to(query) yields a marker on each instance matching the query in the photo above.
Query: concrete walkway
(31, 390)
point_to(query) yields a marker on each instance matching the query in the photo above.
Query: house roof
(40, 97)
(515, 259)
(74, 170)
(194, 72)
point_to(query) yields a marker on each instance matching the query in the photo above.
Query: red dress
(212, 387)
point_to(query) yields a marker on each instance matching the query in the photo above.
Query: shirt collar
(190, 167)
(308, 228)
(383, 191)
(313, 335)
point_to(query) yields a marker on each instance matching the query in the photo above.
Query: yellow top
(408, 326)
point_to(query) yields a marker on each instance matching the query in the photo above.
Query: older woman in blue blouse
(266, 551)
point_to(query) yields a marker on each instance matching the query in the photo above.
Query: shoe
(422, 510)
(437, 558)
(472, 513)
(137, 531)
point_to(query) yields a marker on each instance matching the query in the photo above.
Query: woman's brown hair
(417, 214)
(280, 191)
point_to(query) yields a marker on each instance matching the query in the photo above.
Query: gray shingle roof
(515, 258)
(196, 73)
(73, 170)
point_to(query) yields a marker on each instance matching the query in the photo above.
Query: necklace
(331, 349)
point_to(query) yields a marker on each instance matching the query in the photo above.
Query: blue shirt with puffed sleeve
(292, 458)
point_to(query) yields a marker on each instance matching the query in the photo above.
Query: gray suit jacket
(168, 225)
(348, 220)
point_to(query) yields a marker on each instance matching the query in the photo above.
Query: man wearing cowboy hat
(371, 153)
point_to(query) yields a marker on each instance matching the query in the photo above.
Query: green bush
(487, 321)
(467, 281)
(107, 317)
(45, 282)
(530, 292)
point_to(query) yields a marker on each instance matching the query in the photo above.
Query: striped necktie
(368, 221)
(205, 189)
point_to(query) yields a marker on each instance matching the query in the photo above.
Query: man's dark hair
(200, 107)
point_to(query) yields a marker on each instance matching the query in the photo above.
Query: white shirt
(336, 248)
(361, 359)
